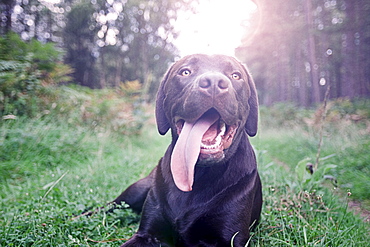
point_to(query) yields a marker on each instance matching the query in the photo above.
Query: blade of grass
(52, 186)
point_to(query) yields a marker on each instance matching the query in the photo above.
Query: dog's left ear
(163, 124)
(252, 120)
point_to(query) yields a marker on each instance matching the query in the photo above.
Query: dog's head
(207, 102)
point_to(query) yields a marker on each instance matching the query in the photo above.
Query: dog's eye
(185, 72)
(236, 76)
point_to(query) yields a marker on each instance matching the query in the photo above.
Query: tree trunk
(118, 79)
(9, 4)
(348, 58)
(103, 76)
(301, 79)
(312, 54)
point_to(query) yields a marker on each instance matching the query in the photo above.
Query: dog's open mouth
(217, 137)
(204, 141)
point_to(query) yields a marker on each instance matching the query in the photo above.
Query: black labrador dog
(206, 190)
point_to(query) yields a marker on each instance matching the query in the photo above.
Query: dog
(206, 189)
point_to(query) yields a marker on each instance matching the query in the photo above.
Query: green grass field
(52, 170)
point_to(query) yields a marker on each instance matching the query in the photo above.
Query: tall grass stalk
(323, 118)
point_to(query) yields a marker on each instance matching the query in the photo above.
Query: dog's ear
(252, 120)
(163, 124)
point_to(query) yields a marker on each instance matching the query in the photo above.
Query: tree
(79, 39)
(135, 40)
(107, 42)
(300, 47)
(312, 59)
(6, 7)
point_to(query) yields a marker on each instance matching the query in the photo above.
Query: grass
(52, 170)
(38, 201)
(295, 217)
(300, 209)
(345, 142)
(30, 145)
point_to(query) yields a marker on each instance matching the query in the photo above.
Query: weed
(345, 140)
(295, 217)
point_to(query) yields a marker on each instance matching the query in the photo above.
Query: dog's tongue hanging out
(187, 148)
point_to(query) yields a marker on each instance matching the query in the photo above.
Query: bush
(283, 114)
(100, 109)
(26, 72)
(29, 78)
(43, 56)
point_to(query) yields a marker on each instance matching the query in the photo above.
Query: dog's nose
(213, 84)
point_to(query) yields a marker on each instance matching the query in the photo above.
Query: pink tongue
(186, 150)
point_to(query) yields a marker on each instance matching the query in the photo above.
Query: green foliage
(42, 56)
(101, 110)
(310, 179)
(20, 85)
(354, 172)
(26, 72)
(60, 74)
(345, 141)
(355, 110)
(12, 47)
(283, 114)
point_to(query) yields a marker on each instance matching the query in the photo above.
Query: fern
(26, 71)
(6, 66)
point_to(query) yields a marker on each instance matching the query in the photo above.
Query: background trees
(295, 50)
(107, 42)
(78, 37)
(301, 47)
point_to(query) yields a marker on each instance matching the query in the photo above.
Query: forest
(294, 49)
(105, 43)
(300, 48)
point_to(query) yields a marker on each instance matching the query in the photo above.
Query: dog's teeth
(213, 146)
(223, 129)
(218, 138)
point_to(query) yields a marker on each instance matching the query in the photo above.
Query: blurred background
(294, 49)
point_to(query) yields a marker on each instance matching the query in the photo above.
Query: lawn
(52, 170)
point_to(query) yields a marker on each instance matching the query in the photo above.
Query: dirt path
(357, 208)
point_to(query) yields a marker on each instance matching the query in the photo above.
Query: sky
(217, 27)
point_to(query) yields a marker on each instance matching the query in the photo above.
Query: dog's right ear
(252, 120)
(163, 124)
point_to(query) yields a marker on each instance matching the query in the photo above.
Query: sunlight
(217, 26)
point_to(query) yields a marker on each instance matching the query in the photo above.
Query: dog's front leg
(135, 195)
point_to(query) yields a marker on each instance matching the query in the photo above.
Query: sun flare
(217, 26)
